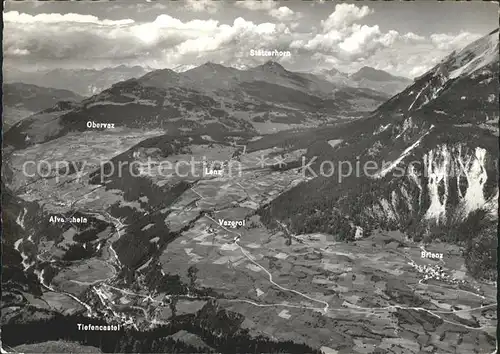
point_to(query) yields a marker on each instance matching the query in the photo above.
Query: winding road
(249, 257)
(327, 308)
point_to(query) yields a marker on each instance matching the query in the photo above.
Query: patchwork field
(370, 293)
(85, 151)
(373, 295)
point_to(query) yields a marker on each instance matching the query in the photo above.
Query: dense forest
(336, 206)
(218, 329)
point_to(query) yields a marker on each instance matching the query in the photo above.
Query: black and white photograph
(254, 176)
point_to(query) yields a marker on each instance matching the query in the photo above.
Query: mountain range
(22, 100)
(436, 148)
(87, 82)
(368, 77)
(153, 257)
(84, 82)
(435, 143)
(208, 98)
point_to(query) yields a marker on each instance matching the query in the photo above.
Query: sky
(402, 38)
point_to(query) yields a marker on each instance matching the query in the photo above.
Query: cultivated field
(366, 296)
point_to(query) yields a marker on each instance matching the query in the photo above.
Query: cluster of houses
(434, 272)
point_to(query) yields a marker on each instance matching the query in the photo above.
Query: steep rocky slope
(462, 88)
(431, 153)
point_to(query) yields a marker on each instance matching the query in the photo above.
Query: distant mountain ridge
(22, 100)
(210, 97)
(367, 77)
(211, 76)
(85, 82)
(369, 73)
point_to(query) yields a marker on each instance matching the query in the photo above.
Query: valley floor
(365, 296)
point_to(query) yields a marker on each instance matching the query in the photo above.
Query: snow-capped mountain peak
(448, 84)
(475, 56)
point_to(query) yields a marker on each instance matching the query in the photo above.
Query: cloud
(340, 40)
(64, 37)
(412, 56)
(210, 6)
(340, 34)
(257, 5)
(450, 42)
(344, 15)
(163, 42)
(412, 37)
(16, 51)
(418, 70)
(225, 34)
(282, 13)
(361, 41)
(343, 40)
(149, 7)
(54, 18)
